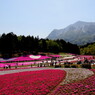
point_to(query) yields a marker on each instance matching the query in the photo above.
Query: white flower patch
(35, 57)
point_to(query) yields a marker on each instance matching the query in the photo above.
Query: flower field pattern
(39, 82)
(85, 87)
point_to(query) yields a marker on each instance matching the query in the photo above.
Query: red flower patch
(30, 83)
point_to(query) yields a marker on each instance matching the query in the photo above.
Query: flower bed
(30, 83)
(85, 87)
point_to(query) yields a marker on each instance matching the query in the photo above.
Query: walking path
(76, 74)
(20, 70)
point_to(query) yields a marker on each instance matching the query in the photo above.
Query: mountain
(79, 33)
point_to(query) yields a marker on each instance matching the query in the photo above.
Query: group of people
(7, 66)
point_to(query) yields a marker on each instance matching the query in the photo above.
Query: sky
(40, 17)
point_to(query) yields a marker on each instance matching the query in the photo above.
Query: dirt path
(76, 74)
(20, 70)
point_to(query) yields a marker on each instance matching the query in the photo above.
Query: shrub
(57, 66)
(74, 66)
(86, 65)
(67, 65)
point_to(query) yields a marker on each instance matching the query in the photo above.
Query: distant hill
(79, 33)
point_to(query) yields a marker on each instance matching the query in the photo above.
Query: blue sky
(40, 17)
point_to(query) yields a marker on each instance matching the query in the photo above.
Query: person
(16, 65)
(9, 66)
(6, 66)
(31, 65)
(40, 64)
(86, 60)
(79, 62)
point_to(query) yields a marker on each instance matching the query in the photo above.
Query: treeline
(88, 49)
(12, 44)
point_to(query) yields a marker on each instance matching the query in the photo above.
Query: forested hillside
(11, 43)
(88, 49)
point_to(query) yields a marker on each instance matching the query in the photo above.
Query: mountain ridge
(79, 33)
